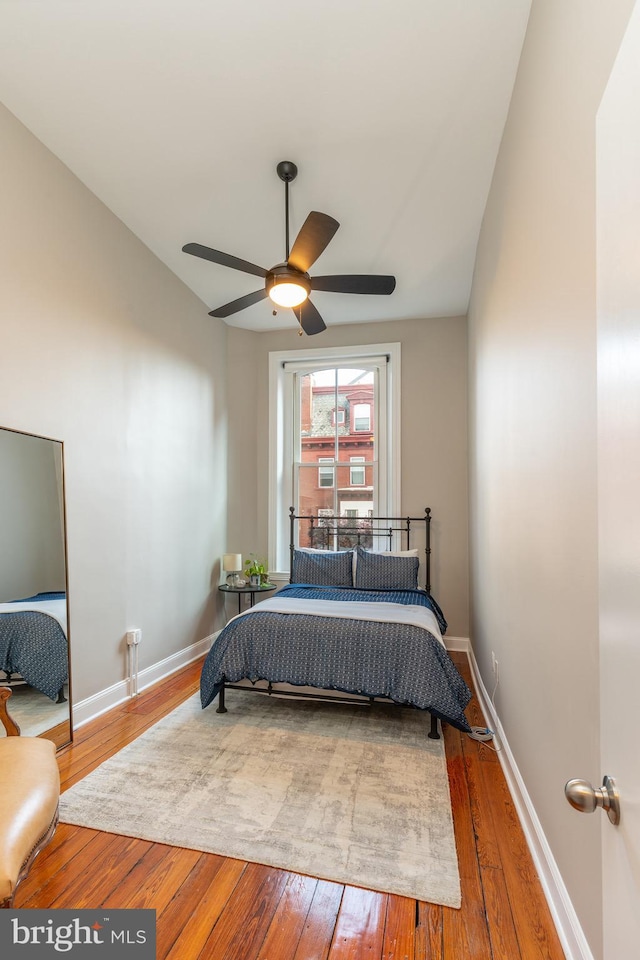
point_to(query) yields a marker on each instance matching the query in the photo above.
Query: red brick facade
(337, 442)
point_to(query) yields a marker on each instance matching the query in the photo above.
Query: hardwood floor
(211, 907)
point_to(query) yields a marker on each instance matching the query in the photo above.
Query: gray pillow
(323, 568)
(383, 571)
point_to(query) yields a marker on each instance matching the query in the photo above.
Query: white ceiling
(176, 112)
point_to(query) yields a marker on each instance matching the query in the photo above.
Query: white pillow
(401, 553)
(314, 550)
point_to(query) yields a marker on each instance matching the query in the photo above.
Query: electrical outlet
(134, 637)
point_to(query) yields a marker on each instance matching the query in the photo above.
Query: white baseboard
(574, 942)
(457, 644)
(99, 703)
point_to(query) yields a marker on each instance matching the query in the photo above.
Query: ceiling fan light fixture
(286, 293)
(287, 287)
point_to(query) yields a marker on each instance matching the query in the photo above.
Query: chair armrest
(9, 724)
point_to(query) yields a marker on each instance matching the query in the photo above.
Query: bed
(33, 643)
(352, 625)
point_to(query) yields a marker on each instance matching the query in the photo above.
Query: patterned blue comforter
(34, 646)
(377, 659)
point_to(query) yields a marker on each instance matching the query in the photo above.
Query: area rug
(357, 795)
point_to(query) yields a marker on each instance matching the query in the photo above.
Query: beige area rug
(34, 712)
(351, 794)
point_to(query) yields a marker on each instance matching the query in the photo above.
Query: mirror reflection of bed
(34, 635)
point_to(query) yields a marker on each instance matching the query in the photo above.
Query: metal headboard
(327, 533)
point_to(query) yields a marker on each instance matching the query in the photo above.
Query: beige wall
(533, 427)
(103, 348)
(434, 437)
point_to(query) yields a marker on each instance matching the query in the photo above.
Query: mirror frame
(58, 737)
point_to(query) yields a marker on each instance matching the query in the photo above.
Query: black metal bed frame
(331, 532)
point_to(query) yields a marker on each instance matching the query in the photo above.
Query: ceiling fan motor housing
(283, 273)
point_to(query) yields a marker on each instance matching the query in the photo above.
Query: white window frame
(323, 463)
(360, 406)
(281, 406)
(360, 461)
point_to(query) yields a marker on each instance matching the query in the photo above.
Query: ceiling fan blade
(224, 259)
(314, 237)
(355, 283)
(228, 308)
(309, 318)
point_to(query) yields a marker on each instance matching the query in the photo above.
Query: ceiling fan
(288, 284)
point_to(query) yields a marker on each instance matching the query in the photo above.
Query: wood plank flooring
(214, 908)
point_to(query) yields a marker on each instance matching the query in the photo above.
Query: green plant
(255, 567)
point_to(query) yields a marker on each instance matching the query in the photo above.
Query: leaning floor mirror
(34, 623)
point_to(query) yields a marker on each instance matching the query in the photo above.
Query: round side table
(263, 588)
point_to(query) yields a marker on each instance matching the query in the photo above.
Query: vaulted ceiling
(175, 115)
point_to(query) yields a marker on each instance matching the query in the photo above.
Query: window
(361, 417)
(334, 437)
(357, 474)
(325, 474)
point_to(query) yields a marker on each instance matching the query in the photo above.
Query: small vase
(255, 579)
